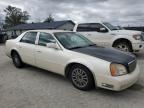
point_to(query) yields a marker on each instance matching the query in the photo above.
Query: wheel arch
(69, 66)
(12, 51)
(122, 40)
(16, 51)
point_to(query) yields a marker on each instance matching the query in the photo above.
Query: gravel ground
(31, 87)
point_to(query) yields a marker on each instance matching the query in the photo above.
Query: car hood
(125, 32)
(108, 54)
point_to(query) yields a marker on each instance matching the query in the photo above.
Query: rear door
(27, 47)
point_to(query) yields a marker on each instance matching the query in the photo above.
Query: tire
(17, 60)
(123, 46)
(81, 77)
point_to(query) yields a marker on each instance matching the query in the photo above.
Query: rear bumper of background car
(118, 83)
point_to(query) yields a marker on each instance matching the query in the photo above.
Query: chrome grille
(132, 65)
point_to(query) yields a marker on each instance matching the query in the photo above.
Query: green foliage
(15, 16)
(49, 19)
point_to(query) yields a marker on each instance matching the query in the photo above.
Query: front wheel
(17, 60)
(123, 46)
(81, 77)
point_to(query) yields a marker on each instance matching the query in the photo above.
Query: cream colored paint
(56, 61)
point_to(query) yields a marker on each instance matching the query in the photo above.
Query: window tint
(96, 27)
(45, 38)
(90, 27)
(29, 37)
(83, 27)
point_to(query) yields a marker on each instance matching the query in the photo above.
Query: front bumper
(138, 46)
(118, 83)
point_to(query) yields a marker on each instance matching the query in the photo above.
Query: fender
(14, 49)
(83, 62)
(121, 37)
(11, 45)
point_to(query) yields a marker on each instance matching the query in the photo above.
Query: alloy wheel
(122, 47)
(79, 77)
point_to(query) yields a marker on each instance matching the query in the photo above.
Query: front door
(48, 58)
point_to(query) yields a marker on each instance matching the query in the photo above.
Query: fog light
(107, 85)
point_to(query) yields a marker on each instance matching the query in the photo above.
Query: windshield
(120, 28)
(111, 27)
(72, 40)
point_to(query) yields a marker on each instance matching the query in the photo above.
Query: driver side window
(45, 38)
(91, 27)
(97, 27)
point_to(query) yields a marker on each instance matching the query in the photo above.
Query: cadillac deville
(75, 57)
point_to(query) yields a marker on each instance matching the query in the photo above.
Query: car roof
(49, 31)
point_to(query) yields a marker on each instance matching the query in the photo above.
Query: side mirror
(104, 30)
(53, 45)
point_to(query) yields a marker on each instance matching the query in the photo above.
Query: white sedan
(75, 57)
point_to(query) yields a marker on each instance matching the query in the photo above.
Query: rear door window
(29, 37)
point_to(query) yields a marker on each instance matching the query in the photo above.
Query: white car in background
(75, 57)
(105, 34)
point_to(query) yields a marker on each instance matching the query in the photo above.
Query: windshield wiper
(82, 46)
(115, 29)
(76, 47)
(92, 45)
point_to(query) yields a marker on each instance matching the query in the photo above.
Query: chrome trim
(131, 62)
(107, 85)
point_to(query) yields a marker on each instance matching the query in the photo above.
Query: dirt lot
(35, 88)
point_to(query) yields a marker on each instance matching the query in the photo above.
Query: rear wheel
(123, 46)
(17, 60)
(81, 77)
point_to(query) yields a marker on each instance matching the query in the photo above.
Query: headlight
(137, 36)
(117, 69)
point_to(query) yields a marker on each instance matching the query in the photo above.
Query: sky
(117, 12)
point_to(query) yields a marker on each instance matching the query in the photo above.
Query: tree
(15, 16)
(49, 18)
(1, 21)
